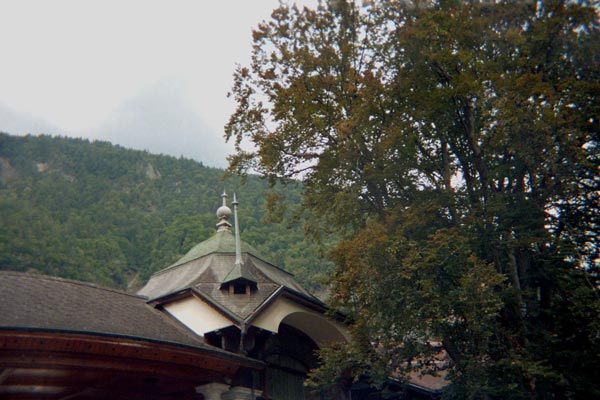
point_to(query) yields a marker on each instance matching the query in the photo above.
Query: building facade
(221, 323)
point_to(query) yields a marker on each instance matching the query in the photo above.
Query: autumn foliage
(455, 145)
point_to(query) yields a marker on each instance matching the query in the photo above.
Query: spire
(238, 247)
(224, 213)
(239, 275)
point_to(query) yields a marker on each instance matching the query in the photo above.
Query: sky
(145, 74)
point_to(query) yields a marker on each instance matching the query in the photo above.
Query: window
(241, 288)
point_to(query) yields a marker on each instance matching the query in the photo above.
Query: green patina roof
(239, 272)
(220, 242)
(213, 264)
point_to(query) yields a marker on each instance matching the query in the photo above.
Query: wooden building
(221, 323)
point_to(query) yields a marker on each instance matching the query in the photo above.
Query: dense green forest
(97, 212)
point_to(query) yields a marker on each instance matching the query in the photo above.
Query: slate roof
(221, 242)
(41, 302)
(207, 266)
(239, 274)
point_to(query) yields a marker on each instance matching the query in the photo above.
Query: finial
(238, 247)
(223, 213)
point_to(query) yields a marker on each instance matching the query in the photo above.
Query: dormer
(239, 281)
(239, 286)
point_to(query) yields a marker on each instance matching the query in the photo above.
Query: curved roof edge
(220, 242)
(151, 345)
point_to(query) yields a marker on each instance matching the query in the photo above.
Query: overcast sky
(151, 75)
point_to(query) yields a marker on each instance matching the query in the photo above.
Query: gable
(284, 310)
(197, 315)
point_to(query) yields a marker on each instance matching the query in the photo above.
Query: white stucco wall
(197, 315)
(320, 329)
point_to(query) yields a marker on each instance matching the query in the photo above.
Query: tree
(456, 145)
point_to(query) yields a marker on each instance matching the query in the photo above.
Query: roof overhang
(71, 364)
(309, 317)
(309, 314)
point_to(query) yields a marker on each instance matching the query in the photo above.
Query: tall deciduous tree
(457, 145)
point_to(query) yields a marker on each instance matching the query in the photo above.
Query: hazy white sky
(145, 74)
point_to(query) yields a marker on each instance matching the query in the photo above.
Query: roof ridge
(273, 265)
(70, 281)
(176, 266)
(219, 242)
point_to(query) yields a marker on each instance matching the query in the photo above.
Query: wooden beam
(117, 347)
(20, 359)
(5, 374)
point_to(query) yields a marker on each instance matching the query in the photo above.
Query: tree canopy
(456, 145)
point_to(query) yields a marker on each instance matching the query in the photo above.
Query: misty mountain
(161, 120)
(23, 123)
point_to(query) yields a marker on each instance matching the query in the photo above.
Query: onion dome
(223, 214)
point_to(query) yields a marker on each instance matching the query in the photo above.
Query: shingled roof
(209, 270)
(41, 302)
(222, 242)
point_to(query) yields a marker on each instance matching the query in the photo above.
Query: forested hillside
(97, 212)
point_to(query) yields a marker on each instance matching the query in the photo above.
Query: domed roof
(221, 242)
(210, 266)
(223, 212)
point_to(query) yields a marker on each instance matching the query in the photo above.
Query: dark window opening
(241, 288)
